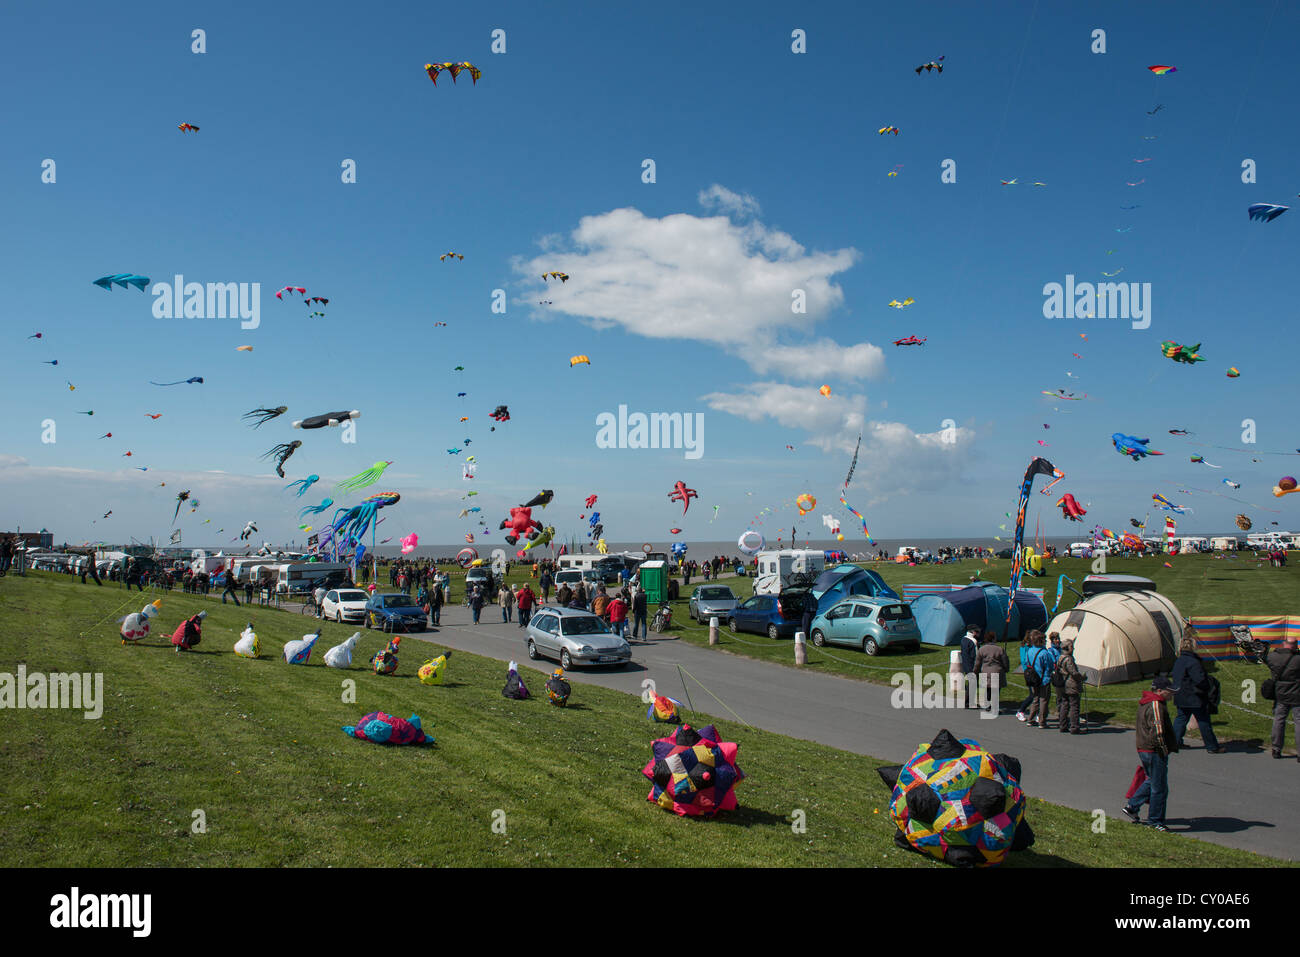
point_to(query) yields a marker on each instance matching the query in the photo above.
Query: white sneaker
(1020, 716)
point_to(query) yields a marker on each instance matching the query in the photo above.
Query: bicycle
(309, 607)
(662, 620)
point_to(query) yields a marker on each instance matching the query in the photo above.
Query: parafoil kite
(1233, 372)
(887, 129)
(328, 419)
(958, 803)
(380, 728)
(123, 279)
(450, 255)
(694, 773)
(304, 484)
(932, 65)
(562, 276)
(298, 289)
(433, 69)
(681, 493)
(362, 479)
(187, 128)
(578, 360)
(900, 305)
(1285, 486)
(1131, 446)
(1070, 508)
(281, 454)
(1266, 212)
(1181, 353)
(1160, 70)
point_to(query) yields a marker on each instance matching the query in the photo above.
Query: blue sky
(682, 305)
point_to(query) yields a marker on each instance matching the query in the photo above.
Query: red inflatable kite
(681, 493)
(1070, 508)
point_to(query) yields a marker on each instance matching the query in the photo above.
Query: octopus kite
(265, 415)
(681, 493)
(281, 454)
(362, 479)
(304, 484)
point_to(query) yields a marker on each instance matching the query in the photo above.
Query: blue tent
(1033, 613)
(943, 619)
(842, 581)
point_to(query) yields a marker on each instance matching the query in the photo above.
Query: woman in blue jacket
(1192, 696)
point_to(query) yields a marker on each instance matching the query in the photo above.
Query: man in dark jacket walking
(1193, 697)
(639, 617)
(1284, 664)
(1155, 742)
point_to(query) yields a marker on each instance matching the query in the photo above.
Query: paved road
(1241, 799)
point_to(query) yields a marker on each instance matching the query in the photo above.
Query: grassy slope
(1197, 585)
(256, 745)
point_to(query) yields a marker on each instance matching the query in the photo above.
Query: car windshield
(352, 596)
(396, 601)
(583, 625)
(715, 593)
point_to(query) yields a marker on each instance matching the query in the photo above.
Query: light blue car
(872, 624)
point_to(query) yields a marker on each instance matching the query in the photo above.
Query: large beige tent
(1122, 635)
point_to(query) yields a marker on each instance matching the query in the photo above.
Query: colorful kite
(1160, 70)
(1286, 485)
(380, 728)
(1131, 446)
(681, 493)
(825, 390)
(887, 129)
(1037, 466)
(900, 305)
(562, 276)
(911, 341)
(1198, 460)
(304, 484)
(1070, 508)
(932, 65)
(1163, 503)
(578, 360)
(542, 498)
(1181, 353)
(362, 479)
(433, 69)
(1233, 372)
(1244, 523)
(694, 773)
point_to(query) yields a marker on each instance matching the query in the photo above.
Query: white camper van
(776, 567)
(1224, 543)
(298, 577)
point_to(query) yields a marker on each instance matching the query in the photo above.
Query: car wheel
(565, 661)
(532, 649)
(870, 647)
(818, 638)
(773, 632)
(338, 616)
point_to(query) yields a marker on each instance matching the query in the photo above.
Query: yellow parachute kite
(575, 360)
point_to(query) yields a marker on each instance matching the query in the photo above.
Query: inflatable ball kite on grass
(958, 803)
(694, 773)
(380, 728)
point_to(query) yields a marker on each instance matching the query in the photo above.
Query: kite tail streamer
(861, 518)
(1060, 590)
(369, 477)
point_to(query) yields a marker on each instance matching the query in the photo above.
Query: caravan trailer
(777, 568)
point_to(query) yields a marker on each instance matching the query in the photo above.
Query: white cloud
(895, 460)
(703, 278)
(719, 197)
(823, 359)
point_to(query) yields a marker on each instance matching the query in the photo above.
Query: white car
(344, 604)
(1080, 549)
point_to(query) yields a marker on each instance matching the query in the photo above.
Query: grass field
(255, 746)
(1197, 585)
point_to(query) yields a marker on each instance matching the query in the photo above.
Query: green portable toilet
(654, 579)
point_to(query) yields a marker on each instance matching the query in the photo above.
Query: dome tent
(1122, 635)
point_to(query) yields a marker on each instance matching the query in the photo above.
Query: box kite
(694, 773)
(958, 803)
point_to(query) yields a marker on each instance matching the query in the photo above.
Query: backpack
(1032, 679)
(1058, 677)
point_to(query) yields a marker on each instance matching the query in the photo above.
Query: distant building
(42, 539)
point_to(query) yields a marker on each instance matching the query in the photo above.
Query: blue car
(395, 612)
(872, 624)
(762, 614)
